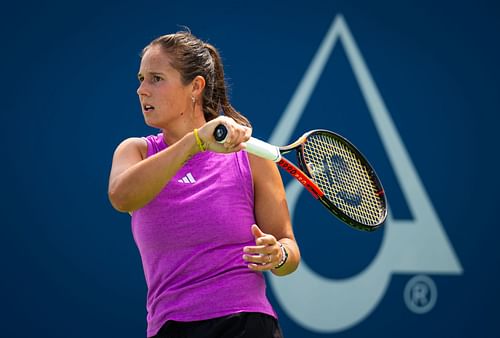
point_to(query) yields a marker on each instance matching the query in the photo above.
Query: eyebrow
(151, 73)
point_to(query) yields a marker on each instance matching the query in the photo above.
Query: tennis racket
(333, 171)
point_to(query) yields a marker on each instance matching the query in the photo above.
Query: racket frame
(302, 173)
(302, 165)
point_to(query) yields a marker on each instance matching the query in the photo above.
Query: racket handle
(253, 145)
(220, 133)
(263, 149)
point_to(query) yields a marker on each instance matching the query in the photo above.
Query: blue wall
(70, 267)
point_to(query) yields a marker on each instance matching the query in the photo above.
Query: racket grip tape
(253, 145)
(220, 133)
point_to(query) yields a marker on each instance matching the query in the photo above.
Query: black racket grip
(220, 133)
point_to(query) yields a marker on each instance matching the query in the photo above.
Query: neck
(175, 131)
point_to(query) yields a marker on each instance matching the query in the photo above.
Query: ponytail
(215, 97)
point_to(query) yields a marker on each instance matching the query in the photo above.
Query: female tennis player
(207, 218)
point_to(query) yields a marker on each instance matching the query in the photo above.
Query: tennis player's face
(164, 99)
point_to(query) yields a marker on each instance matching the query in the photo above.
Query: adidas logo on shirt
(187, 179)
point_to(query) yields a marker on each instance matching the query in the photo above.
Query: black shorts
(240, 325)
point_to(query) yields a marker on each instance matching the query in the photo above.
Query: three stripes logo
(188, 178)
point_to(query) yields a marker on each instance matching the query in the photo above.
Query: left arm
(273, 219)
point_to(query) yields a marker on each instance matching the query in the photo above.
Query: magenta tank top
(191, 238)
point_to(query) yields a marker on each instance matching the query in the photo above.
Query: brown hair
(192, 57)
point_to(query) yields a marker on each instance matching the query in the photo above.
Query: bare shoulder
(133, 146)
(129, 152)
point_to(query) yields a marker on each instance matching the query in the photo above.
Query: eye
(140, 78)
(156, 78)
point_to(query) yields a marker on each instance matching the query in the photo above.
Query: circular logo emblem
(420, 294)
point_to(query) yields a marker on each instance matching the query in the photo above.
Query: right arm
(135, 180)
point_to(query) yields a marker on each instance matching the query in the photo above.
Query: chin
(150, 121)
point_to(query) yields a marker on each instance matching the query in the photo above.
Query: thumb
(256, 231)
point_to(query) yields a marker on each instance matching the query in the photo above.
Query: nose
(142, 89)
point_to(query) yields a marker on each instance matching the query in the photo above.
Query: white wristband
(284, 256)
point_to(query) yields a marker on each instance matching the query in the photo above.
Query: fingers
(236, 136)
(261, 250)
(262, 238)
(261, 266)
(265, 255)
(256, 232)
(260, 262)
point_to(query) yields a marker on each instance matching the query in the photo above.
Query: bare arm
(135, 180)
(273, 219)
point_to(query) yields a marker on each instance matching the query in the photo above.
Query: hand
(237, 135)
(266, 254)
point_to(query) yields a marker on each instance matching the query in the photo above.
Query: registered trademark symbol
(420, 294)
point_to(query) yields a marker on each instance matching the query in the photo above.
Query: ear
(198, 84)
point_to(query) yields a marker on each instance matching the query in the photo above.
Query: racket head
(352, 190)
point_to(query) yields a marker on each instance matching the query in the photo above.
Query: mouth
(147, 108)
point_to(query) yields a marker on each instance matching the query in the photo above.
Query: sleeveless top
(191, 238)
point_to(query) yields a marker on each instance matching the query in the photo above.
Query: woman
(208, 218)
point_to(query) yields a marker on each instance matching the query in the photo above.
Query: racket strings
(346, 181)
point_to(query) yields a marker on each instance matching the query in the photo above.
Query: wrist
(201, 145)
(284, 256)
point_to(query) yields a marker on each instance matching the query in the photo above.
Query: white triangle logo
(187, 179)
(408, 247)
